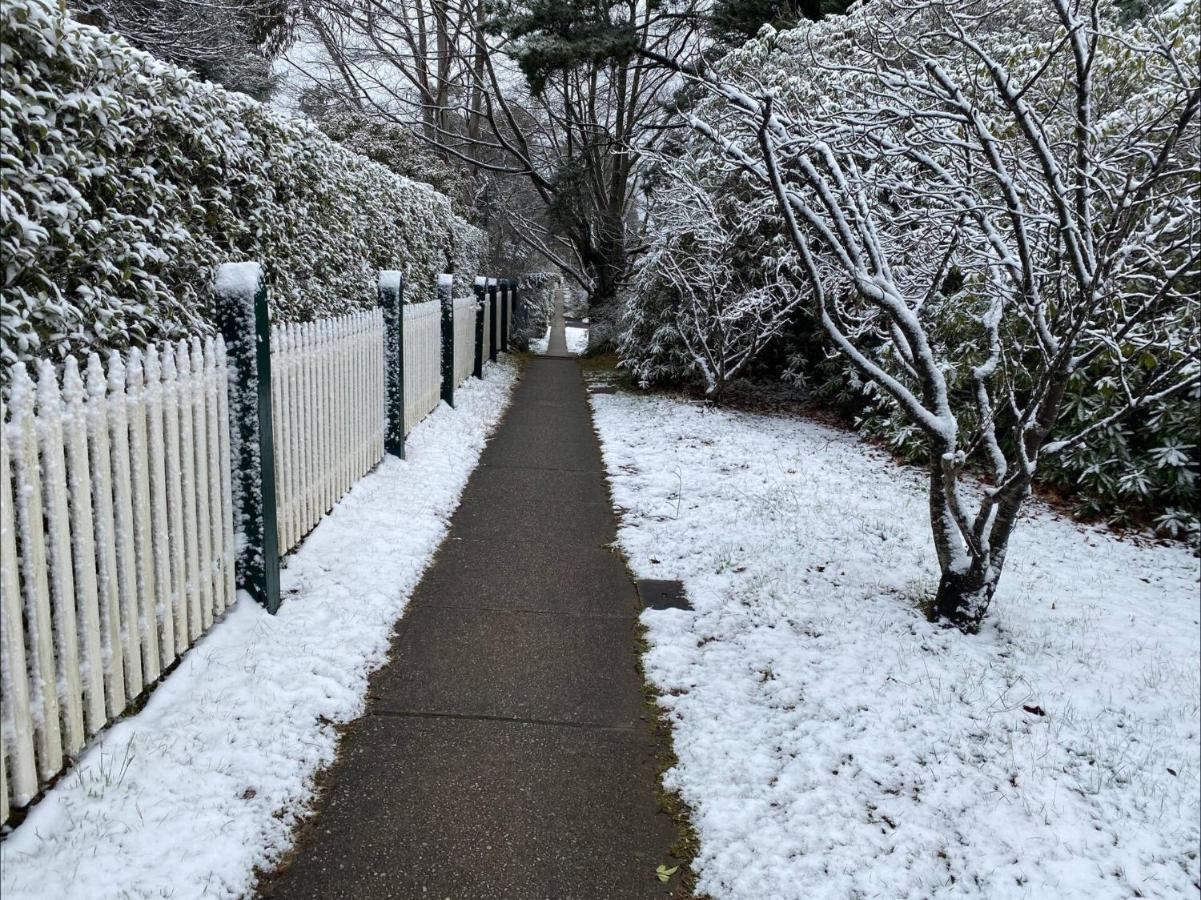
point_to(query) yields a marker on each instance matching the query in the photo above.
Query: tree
(230, 43)
(722, 280)
(1027, 170)
(548, 103)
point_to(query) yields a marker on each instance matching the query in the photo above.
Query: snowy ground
(832, 743)
(187, 797)
(577, 339)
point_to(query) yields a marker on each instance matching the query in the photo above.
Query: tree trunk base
(963, 598)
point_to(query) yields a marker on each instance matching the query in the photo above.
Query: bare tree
(230, 42)
(573, 131)
(1028, 167)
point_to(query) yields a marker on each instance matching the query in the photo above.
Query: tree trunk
(964, 597)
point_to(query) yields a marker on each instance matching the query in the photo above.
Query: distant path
(558, 332)
(505, 753)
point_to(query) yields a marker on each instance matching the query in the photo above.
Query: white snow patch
(238, 279)
(539, 345)
(389, 280)
(181, 800)
(577, 339)
(833, 743)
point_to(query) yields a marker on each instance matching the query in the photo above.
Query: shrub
(125, 182)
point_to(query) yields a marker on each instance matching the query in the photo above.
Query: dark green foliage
(734, 21)
(396, 147)
(561, 35)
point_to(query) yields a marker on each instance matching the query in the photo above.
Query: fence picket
(35, 581)
(173, 469)
(214, 464)
(79, 489)
(187, 438)
(163, 625)
(225, 459)
(279, 415)
(60, 566)
(108, 583)
(142, 532)
(127, 565)
(202, 537)
(18, 733)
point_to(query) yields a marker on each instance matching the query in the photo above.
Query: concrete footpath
(506, 751)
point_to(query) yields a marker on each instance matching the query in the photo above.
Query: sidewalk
(505, 753)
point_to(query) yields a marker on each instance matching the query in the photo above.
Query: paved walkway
(505, 753)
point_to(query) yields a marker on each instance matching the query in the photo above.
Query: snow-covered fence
(464, 344)
(116, 542)
(328, 411)
(422, 360)
(136, 496)
(493, 318)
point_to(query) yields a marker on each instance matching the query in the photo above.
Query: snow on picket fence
(117, 542)
(464, 325)
(118, 494)
(423, 355)
(328, 413)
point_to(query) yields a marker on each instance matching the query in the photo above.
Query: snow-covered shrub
(125, 182)
(536, 291)
(720, 281)
(401, 151)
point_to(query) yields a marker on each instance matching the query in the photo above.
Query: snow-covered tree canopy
(125, 182)
(1024, 171)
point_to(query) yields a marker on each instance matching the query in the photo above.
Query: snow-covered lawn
(188, 796)
(577, 339)
(833, 743)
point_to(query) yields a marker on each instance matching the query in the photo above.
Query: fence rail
(122, 487)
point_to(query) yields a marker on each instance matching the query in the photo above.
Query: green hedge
(125, 182)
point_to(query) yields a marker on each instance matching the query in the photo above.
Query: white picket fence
(464, 325)
(487, 351)
(116, 542)
(327, 412)
(422, 360)
(117, 545)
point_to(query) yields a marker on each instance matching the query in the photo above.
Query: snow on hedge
(834, 743)
(125, 182)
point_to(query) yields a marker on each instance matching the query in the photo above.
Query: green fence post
(242, 315)
(479, 287)
(391, 300)
(504, 315)
(447, 303)
(493, 324)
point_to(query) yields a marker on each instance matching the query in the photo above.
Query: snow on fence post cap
(446, 281)
(492, 282)
(240, 279)
(390, 280)
(480, 281)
